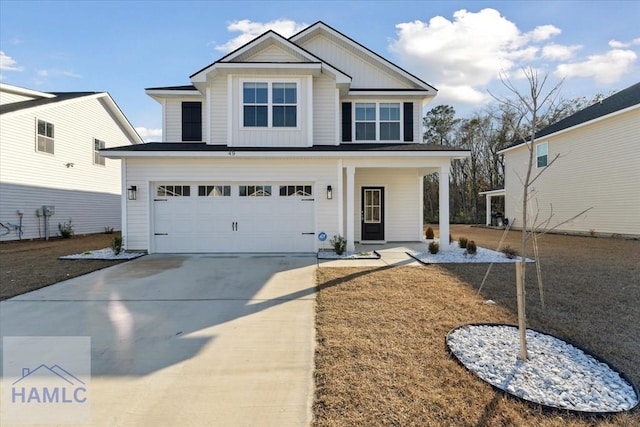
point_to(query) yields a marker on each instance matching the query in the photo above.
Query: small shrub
(429, 233)
(117, 245)
(339, 244)
(108, 230)
(462, 242)
(66, 229)
(434, 247)
(472, 249)
(509, 252)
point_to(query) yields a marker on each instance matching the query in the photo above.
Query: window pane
(243, 190)
(389, 111)
(42, 128)
(278, 93)
(365, 131)
(50, 130)
(266, 190)
(365, 111)
(390, 131)
(262, 93)
(542, 161)
(255, 116)
(284, 116)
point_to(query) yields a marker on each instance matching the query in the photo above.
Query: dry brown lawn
(28, 265)
(381, 357)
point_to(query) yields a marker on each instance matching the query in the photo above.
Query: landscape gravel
(106, 253)
(457, 255)
(556, 374)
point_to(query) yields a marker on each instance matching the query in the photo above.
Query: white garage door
(232, 217)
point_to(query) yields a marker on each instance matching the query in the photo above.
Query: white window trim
(542, 144)
(52, 139)
(95, 152)
(270, 104)
(378, 121)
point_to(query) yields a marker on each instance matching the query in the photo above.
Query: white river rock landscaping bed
(457, 255)
(557, 374)
(106, 253)
(348, 255)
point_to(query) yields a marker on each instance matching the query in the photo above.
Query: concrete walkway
(390, 254)
(181, 340)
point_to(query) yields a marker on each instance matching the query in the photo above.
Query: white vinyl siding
(9, 98)
(325, 111)
(218, 105)
(273, 53)
(365, 72)
(79, 188)
(597, 168)
(144, 172)
(173, 117)
(402, 201)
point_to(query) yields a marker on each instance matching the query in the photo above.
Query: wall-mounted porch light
(132, 192)
(329, 192)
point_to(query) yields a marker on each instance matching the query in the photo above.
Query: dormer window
(270, 104)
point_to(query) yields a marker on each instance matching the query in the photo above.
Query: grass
(381, 357)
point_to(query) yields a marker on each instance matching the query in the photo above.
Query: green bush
(472, 249)
(66, 229)
(429, 233)
(339, 244)
(434, 247)
(117, 245)
(462, 242)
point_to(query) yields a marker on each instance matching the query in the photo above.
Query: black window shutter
(192, 121)
(408, 121)
(346, 122)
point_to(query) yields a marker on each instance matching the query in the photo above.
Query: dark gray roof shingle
(59, 96)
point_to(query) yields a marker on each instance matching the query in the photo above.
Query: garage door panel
(232, 223)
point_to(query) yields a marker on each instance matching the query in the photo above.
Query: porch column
(351, 173)
(488, 204)
(443, 181)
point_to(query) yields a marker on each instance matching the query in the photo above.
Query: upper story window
(542, 154)
(192, 121)
(97, 146)
(44, 141)
(377, 121)
(270, 104)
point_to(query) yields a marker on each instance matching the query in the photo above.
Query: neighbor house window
(214, 190)
(45, 137)
(377, 121)
(365, 121)
(97, 146)
(542, 154)
(254, 190)
(270, 104)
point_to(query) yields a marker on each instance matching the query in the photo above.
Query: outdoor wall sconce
(132, 192)
(329, 192)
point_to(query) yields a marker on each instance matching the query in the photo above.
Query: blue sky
(461, 48)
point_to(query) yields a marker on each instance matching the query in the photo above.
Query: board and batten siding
(173, 117)
(273, 53)
(219, 107)
(80, 191)
(598, 168)
(402, 201)
(145, 172)
(365, 72)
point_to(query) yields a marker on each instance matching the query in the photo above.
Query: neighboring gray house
(282, 141)
(49, 156)
(598, 168)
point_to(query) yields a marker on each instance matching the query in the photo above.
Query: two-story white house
(281, 142)
(50, 156)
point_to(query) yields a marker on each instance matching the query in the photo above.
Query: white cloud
(149, 134)
(607, 68)
(250, 30)
(7, 63)
(43, 75)
(558, 52)
(618, 44)
(468, 53)
(636, 41)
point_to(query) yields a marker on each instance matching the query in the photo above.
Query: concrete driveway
(187, 339)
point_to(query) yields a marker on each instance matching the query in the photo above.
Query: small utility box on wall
(48, 210)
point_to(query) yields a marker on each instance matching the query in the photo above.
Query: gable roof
(619, 101)
(61, 97)
(227, 60)
(321, 26)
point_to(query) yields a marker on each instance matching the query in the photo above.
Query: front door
(372, 213)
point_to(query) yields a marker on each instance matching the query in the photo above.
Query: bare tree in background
(531, 107)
